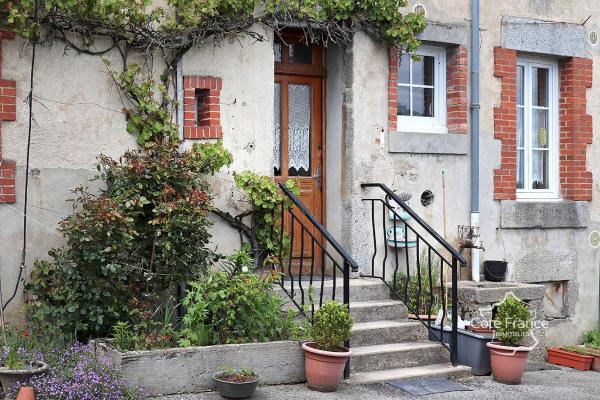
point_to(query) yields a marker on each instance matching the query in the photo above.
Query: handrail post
(347, 302)
(454, 338)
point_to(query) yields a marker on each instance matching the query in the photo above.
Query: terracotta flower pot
(596, 363)
(26, 393)
(324, 369)
(566, 358)
(508, 363)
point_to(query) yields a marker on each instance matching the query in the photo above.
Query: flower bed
(190, 369)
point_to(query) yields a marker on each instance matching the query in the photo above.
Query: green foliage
(331, 326)
(228, 371)
(158, 27)
(265, 200)
(151, 119)
(408, 289)
(592, 338)
(226, 307)
(512, 322)
(145, 232)
(25, 346)
(576, 349)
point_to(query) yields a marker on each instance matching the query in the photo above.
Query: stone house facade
(355, 114)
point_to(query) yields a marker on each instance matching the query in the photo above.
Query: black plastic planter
(494, 271)
(472, 349)
(235, 390)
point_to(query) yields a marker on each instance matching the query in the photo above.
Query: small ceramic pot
(26, 393)
(235, 390)
(508, 363)
(324, 369)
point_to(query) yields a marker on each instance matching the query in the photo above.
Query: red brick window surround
(456, 89)
(575, 126)
(202, 107)
(8, 111)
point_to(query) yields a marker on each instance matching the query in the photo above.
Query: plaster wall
(78, 114)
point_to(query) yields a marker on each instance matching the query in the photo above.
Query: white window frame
(436, 124)
(527, 193)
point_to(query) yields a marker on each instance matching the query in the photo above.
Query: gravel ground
(563, 384)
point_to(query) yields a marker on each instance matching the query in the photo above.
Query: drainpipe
(475, 133)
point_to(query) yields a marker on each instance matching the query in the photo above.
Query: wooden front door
(299, 138)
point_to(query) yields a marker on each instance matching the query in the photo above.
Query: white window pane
(539, 171)
(277, 130)
(404, 69)
(277, 51)
(299, 100)
(539, 134)
(520, 132)
(540, 86)
(422, 105)
(403, 100)
(423, 71)
(520, 82)
(520, 169)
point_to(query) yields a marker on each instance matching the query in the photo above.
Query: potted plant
(236, 383)
(325, 358)
(575, 357)
(591, 340)
(17, 362)
(511, 324)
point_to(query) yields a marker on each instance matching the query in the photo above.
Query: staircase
(385, 344)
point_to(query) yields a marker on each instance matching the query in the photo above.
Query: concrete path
(564, 384)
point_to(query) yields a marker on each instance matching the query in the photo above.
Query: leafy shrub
(592, 338)
(77, 373)
(408, 288)
(331, 326)
(145, 232)
(512, 321)
(234, 307)
(25, 346)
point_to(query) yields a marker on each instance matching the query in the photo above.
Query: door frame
(317, 69)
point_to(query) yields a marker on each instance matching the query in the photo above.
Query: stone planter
(191, 369)
(472, 349)
(9, 377)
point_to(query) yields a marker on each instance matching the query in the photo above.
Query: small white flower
(244, 269)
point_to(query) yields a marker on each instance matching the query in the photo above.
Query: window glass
(423, 71)
(404, 69)
(416, 86)
(300, 54)
(536, 173)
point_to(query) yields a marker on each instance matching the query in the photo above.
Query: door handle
(318, 176)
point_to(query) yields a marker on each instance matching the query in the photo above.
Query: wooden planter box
(190, 369)
(567, 359)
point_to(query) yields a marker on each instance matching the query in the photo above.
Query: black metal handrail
(323, 249)
(401, 231)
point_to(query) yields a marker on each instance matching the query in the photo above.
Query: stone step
(390, 375)
(384, 332)
(377, 310)
(397, 355)
(361, 289)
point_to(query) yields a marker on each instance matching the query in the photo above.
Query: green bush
(512, 322)
(408, 289)
(144, 233)
(331, 326)
(234, 306)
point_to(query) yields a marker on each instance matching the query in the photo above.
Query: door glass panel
(422, 102)
(422, 71)
(277, 51)
(540, 87)
(300, 54)
(277, 130)
(299, 117)
(540, 169)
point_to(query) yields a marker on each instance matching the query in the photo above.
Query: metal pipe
(475, 133)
